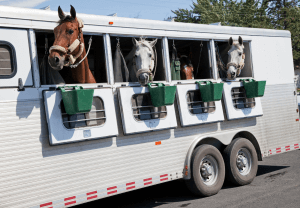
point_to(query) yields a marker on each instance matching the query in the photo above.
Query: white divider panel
(131, 125)
(59, 134)
(186, 117)
(234, 113)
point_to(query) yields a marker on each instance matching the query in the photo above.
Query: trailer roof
(32, 18)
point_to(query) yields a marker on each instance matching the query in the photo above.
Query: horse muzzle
(143, 78)
(231, 72)
(56, 62)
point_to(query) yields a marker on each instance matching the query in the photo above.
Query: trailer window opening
(192, 55)
(143, 109)
(126, 48)
(239, 99)
(196, 105)
(222, 48)
(7, 60)
(96, 60)
(96, 117)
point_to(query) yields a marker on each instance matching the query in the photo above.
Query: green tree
(248, 13)
(271, 14)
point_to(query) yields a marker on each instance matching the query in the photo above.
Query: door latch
(20, 85)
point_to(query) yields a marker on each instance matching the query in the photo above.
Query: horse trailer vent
(96, 117)
(192, 110)
(100, 122)
(240, 100)
(138, 113)
(236, 103)
(196, 105)
(143, 109)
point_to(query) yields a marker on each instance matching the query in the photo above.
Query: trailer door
(14, 58)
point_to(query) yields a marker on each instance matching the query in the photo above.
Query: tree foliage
(270, 14)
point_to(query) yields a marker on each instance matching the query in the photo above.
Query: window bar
(87, 112)
(202, 107)
(85, 120)
(150, 106)
(139, 114)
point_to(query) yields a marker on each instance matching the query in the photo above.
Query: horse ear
(134, 41)
(230, 41)
(152, 43)
(73, 12)
(240, 40)
(61, 14)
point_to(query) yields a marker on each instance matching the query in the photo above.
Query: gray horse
(141, 61)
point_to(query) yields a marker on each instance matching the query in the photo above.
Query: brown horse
(186, 68)
(68, 49)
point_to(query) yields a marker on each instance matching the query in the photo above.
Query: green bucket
(254, 88)
(78, 100)
(162, 95)
(210, 91)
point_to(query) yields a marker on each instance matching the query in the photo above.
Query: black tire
(200, 185)
(234, 172)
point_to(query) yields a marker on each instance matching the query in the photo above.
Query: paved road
(277, 184)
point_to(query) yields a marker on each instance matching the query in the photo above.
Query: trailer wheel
(207, 171)
(240, 161)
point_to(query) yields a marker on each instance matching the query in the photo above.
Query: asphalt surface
(277, 184)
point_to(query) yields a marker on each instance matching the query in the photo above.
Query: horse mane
(67, 18)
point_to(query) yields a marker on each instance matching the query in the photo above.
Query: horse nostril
(232, 74)
(56, 59)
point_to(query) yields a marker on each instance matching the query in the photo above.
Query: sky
(143, 9)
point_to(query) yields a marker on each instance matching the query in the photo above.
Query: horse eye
(71, 32)
(240, 54)
(135, 56)
(150, 55)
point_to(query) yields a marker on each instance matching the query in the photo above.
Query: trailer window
(240, 100)
(192, 55)
(96, 60)
(196, 105)
(7, 60)
(96, 117)
(222, 48)
(143, 109)
(125, 65)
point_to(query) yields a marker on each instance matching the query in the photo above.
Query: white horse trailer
(49, 160)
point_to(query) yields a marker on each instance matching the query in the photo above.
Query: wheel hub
(209, 170)
(206, 170)
(243, 161)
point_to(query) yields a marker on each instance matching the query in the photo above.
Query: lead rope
(220, 61)
(75, 65)
(201, 47)
(123, 59)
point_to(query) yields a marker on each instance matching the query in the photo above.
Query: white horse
(141, 61)
(236, 58)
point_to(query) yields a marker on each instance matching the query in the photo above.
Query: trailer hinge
(20, 85)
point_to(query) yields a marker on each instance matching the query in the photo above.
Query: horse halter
(239, 66)
(72, 47)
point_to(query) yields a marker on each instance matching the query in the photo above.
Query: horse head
(68, 44)
(236, 58)
(144, 60)
(186, 68)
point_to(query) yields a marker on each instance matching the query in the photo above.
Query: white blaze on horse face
(143, 58)
(234, 56)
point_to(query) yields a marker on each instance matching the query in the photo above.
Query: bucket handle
(63, 89)
(156, 84)
(249, 80)
(206, 82)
